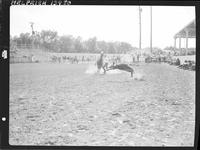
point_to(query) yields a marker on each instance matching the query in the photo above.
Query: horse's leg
(104, 70)
(131, 73)
(105, 66)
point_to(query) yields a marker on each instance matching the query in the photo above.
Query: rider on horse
(100, 62)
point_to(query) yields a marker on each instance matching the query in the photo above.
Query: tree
(66, 44)
(111, 48)
(78, 47)
(102, 46)
(25, 40)
(49, 39)
(124, 47)
(91, 45)
(13, 43)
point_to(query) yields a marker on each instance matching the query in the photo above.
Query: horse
(100, 62)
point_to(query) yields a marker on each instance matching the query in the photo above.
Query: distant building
(189, 31)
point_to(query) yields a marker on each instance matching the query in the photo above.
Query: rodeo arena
(142, 97)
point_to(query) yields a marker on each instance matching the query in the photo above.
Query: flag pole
(151, 28)
(140, 28)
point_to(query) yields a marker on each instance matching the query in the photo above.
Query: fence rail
(20, 60)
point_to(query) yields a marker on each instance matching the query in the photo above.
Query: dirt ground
(58, 104)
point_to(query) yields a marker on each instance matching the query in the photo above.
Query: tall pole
(32, 23)
(140, 27)
(151, 28)
(32, 35)
(186, 42)
(174, 43)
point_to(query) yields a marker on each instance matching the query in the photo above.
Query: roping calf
(123, 67)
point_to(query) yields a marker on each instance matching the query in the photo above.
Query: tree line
(50, 41)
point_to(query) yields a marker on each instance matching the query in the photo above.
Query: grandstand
(188, 32)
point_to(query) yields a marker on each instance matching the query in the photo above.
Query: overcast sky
(108, 23)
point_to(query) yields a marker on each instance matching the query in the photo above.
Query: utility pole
(33, 33)
(151, 28)
(140, 10)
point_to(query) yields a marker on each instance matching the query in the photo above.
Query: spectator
(178, 62)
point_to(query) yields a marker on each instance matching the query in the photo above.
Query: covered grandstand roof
(191, 28)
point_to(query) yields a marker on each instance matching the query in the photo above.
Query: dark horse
(123, 67)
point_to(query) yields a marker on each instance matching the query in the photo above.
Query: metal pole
(179, 43)
(151, 28)
(32, 35)
(140, 28)
(186, 42)
(175, 43)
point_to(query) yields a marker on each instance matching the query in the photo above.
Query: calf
(123, 67)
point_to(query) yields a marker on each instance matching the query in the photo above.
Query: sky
(108, 23)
